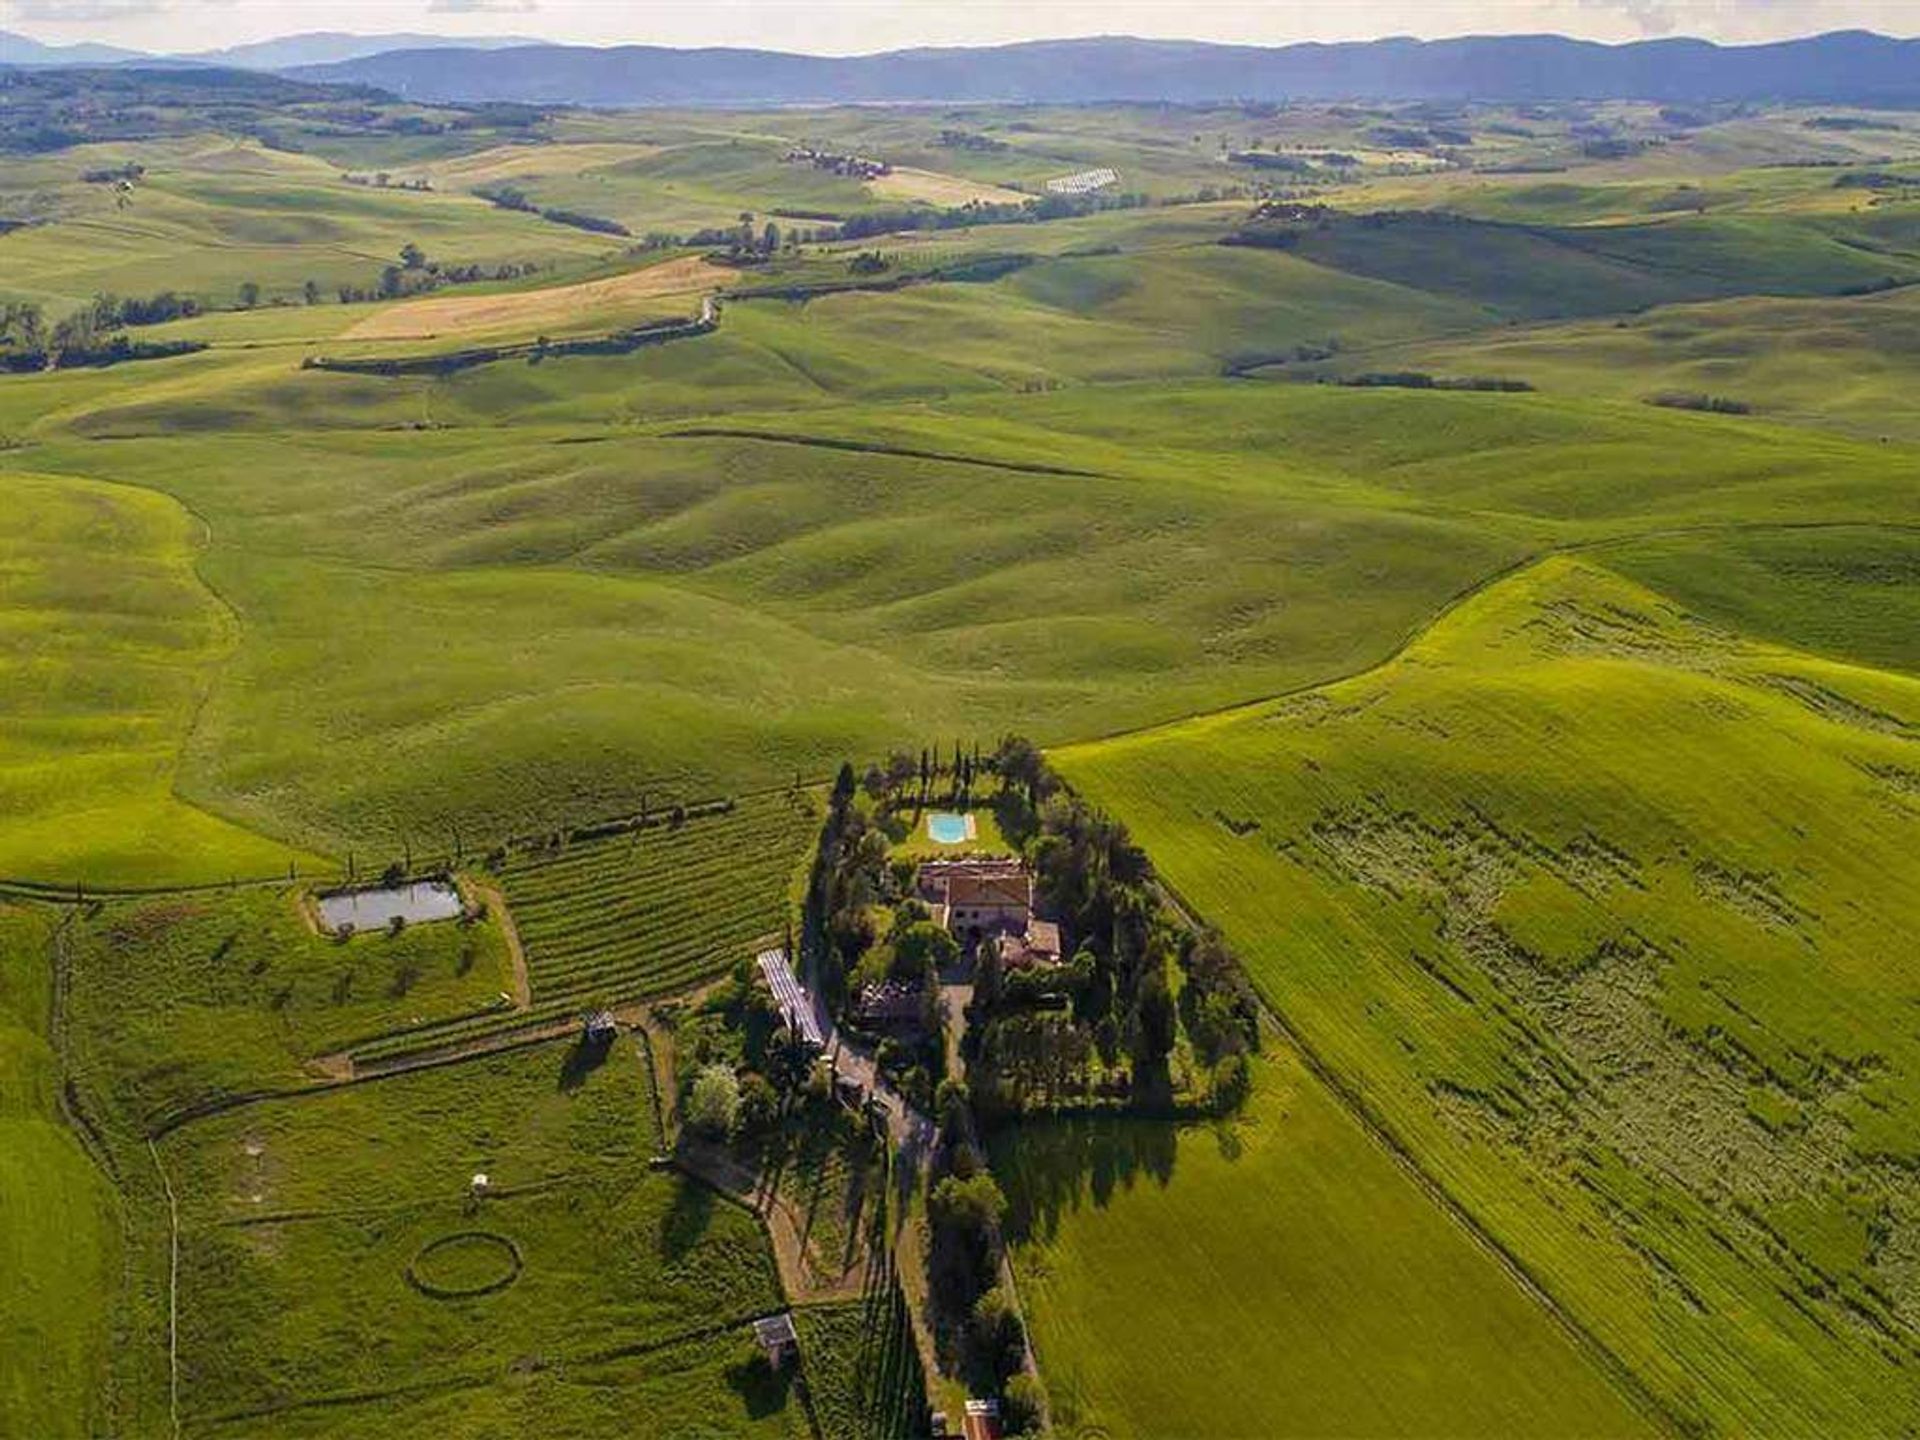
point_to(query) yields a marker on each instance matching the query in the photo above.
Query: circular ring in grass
(465, 1264)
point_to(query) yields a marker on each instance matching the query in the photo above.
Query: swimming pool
(946, 828)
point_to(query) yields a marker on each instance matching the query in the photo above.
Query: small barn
(777, 1338)
(601, 1027)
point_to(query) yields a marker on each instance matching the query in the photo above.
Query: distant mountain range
(1847, 67)
(19, 50)
(322, 47)
(1838, 68)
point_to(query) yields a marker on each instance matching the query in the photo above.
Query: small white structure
(777, 1338)
(480, 1184)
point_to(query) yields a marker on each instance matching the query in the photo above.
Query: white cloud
(83, 12)
(482, 7)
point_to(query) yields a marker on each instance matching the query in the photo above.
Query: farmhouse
(972, 898)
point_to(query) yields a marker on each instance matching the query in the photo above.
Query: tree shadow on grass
(583, 1057)
(686, 1223)
(1050, 1167)
(763, 1389)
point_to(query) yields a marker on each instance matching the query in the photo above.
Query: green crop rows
(659, 909)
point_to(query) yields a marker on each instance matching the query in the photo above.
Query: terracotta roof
(1000, 890)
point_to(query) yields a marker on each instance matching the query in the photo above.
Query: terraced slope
(1605, 913)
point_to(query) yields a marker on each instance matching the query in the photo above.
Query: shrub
(1708, 404)
(713, 1105)
(1021, 1404)
(998, 1339)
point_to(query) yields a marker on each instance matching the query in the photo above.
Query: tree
(998, 1338)
(413, 257)
(899, 770)
(249, 294)
(989, 974)
(1156, 1019)
(1021, 765)
(770, 238)
(759, 1103)
(964, 1258)
(1020, 1405)
(921, 949)
(311, 292)
(713, 1105)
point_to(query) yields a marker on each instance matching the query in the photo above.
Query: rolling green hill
(1548, 757)
(1597, 908)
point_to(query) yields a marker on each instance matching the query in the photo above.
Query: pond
(946, 828)
(417, 903)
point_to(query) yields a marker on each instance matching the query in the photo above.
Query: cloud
(83, 12)
(482, 7)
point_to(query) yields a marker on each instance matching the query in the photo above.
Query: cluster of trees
(1706, 404)
(383, 180)
(975, 212)
(968, 140)
(1106, 1020)
(1421, 380)
(511, 197)
(977, 1319)
(114, 174)
(415, 274)
(91, 335)
(936, 777)
(742, 1069)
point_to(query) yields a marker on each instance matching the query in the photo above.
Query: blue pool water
(946, 828)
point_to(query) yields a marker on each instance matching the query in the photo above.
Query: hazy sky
(853, 26)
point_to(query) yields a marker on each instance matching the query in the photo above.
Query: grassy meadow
(577, 1255)
(1547, 755)
(1596, 907)
(1276, 1274)
(60, 1241)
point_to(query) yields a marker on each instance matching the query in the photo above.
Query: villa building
(981, 899)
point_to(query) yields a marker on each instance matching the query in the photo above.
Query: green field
(1547, 756)
(1599, 906)
(1357, 1277)
(308, 1277)
(59, 1218)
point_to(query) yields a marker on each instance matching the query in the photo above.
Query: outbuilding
(777, 1338)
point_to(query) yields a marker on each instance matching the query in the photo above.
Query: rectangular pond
(422, 901)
